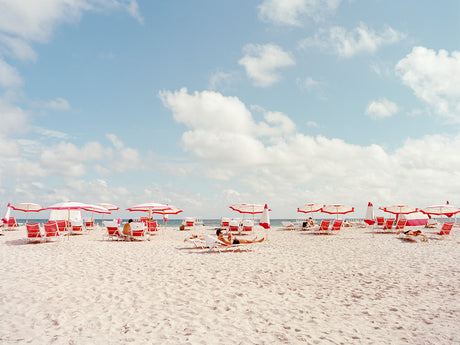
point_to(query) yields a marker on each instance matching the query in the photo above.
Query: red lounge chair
(323, 227)
(113, 231)
(152, 227)
(51, 231)
(389, 224)
(89, 225)
(380, 221)
(337, 225)
(33, 232)
(224, 222)
(248, 225)
(138, 231)
(234, 226)
(11, 224)
(446, 228)
(401, 224)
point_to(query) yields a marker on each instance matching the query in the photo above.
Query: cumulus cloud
(291, 12)
(347, 44)
(381, 109)
(262, 63)
(25, 22)
(434, 79)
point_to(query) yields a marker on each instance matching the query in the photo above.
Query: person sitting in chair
(127, 228)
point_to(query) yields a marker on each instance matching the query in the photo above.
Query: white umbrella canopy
(248, 208)
(399, 209)
(150, 207)
(110, 207)
(337, 209)
(309, 208)
(27, 207)
(440, 210)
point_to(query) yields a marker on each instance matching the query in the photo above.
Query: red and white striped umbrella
(309, 208)
(399, 209)
(110, 207)
(27, 207)
(248, 208)
(337, 209)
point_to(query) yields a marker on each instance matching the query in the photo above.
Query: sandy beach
(348, 288)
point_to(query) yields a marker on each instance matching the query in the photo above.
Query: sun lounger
(34, 233)
(380, 221)
(152, 227)
(323, 228)
(77, 228)
(214, 244)
(247, 227)
(11, 224)
(401, 224)
(234, 226)
(337, 225)
(138, 231)
(388, 227)
(52, 231)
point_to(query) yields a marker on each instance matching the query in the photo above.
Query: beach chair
(52, 231)
(323, 228)
(337, 225)
(138, 231)
(152, 227)
(380, 221)
(224, 222)
(11, 224)
(89, 224)
(287, 225)
(247, 226)
(401, 224)
(214, 244)
(389, 224)
(196, 241)
(188, 223)
(76, 227)
(234, 226)
(113, 231)
(33, 233)
(446, 228)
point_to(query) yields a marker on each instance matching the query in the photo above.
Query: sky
(203, 104)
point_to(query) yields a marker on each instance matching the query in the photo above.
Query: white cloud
(347, 44)
(13, 118)
(434, 78)
(50, 133)
(381, 109)
(263, 61)
(27, 21)
(58, 104)
(115, 141)
(9, 76)
(220, 79)
(291, 12)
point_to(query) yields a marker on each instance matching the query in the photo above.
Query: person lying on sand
(413, 233)
(230, 240)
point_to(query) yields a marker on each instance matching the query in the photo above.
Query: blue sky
(202, 104)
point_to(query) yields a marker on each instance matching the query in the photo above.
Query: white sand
(349, 288)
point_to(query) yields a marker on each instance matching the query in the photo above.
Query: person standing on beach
(127, 228)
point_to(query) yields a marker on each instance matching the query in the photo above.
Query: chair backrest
(62, 225)
(112, 230)
(137, 229)
(12, 221)
(401, 223)
(225, 221)
(247, 225)
(51, 229)
(380, 221)
(33, 230)
(78, 222)
(234, 225)
(389, 223)
(111, 223)
(446, 228)
(337, 224)
(324, 224)
(152, 225)
(189, 221)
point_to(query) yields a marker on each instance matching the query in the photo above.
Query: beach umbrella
(337, 209)
(441, 210)
(248, 208)
(6, 216)
(110, 207)
(310, 208)
(369, 218)
(27, 207)
(72, 205)
(265, 219)
(149, 207)
(399, 209)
